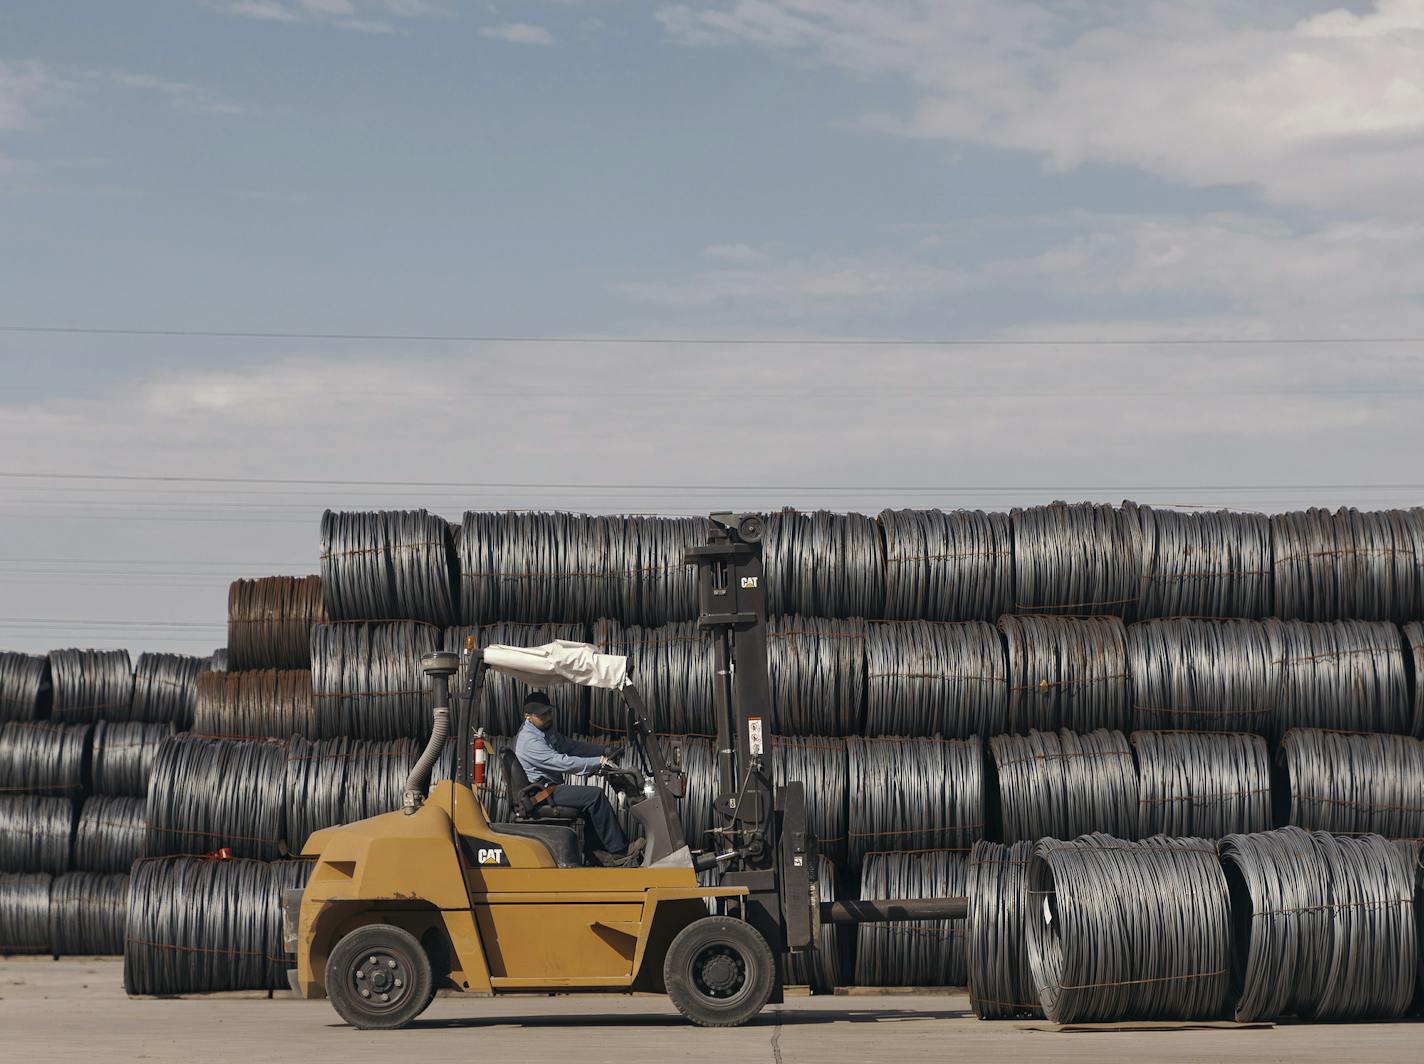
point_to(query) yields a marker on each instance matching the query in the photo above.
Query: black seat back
(517, 782)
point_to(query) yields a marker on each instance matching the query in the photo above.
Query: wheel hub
(719, 972)
(380, 980)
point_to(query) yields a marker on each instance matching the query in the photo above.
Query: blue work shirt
(547, 755)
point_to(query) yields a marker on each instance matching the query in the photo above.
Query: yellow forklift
(435, 895)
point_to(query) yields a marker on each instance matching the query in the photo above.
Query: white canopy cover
(562, 661)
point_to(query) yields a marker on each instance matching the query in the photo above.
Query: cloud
(180, 94)
(26, 88)
(519, 33)
(733, 252)
(360, 16)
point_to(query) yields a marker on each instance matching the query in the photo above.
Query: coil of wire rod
(1077, 558)
(1214, 563)
(1343, 674)
(90, 685)
(1202, 784)
(217, 660)
(648, 580)
(922, 953)
(501, 709)
(819, 762)
(210, 794)
(823, 564)
(1413, 635)
(947, 565)
(110, 835)
(1059, 785)
(1326, 927)
(1066, 672)
(389, 565)
(366, 679)
(165, 689)
(532, 567)
(123, 756)
(24, 686)
(996, 954)
(817, 671)
(700, 766)
(913, 794)
(1349, 565)
(44, 759)
(818, 967)
(87, 911)
(935, 678)
(201, 926)
(1129, 930)
(34, 833)
(674, 669)
(24, 912)
(1351, 784)
(264, 703)
(269, 621)
(1206, 675)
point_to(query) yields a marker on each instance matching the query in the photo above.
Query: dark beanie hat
(537, 702)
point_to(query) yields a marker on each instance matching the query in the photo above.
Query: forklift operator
(546, 755)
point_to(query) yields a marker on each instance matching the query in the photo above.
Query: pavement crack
(776, 1043)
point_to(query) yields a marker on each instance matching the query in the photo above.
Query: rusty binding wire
(922, 953)
(269, 622)
(25, 686)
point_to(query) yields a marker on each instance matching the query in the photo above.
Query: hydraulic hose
(418, 782)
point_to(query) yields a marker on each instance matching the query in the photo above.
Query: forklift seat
(526, 797)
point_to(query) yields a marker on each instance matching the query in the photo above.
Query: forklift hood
(562, 661)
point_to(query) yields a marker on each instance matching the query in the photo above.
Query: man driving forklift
(545, 755)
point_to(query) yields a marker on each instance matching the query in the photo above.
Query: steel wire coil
(201, 926)
(123, 756)
(35, 833)
(817, 671)
(700, 766)
(210, 794)
(1213, 563)
(818, 967)
(823, 564)
(1349, 565)
(919, 953)
(935, 678)
(819, 762)
(913, 794)
(217, 660)
(1060, 785)
(947, 565)
(1066, 672)
(1344, 674)
(25, 686)
(269, 622)
(165, 689)
(1129, 930)
(996, 955)
(42, 759)
(674, 668)
(366, 679)
(389, 565)
(110, 835)
(532, 567)
(1413, 635)
(24, 912)
(1325, 927)
(90, 685)
(1351, 784)
(1201, 784)
(264, 703)
(87, 913)
(648, 582)
(1078, 558)
(501, 710)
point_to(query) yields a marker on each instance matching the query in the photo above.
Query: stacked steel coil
(922, 953)
(700, 767)
(1076, 559)
(672, 666)
(210, 794)
(24, 685)
(272, 703)
(1204, 564)
(1129, 930)
(388, 565)
(819, 763)
(44, 759)
(823, 564)
(947, 565)
(123, 756)
(1352, 784)
(165, 689)
(366, 679)
(817, 672)
(1365, 566)
(913, 794)
(90, 685)
(1000, 984)
(819, 966)
(110, 835)
(1066, 672)
(338, 781)
(1413, 635)
(24, 912)
(34, 833)
(501, 707)
(1343, 674)
(1058, 785)
(269, 622)
(87, 912)
(532, 567)
(926, 678)
(1202, 784)
(648, 580)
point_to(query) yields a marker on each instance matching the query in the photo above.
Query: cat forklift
(435, 895)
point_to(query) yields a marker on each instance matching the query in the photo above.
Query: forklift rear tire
(719, 972)
(378, 978)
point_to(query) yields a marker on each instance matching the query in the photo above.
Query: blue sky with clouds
(797, 169)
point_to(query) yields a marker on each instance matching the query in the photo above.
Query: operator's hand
(606, 763)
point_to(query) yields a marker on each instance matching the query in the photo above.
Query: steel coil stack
(914, 794)
(90, 685)
(263, 703)
(165, 689)
(24, 912)
(947, 565)
(1344, 674)
(818, 967)
(1413, 635)
(930, 678)
(87, 912)
(996, 957)
(674, 669)
(700, 767)
(366, 679)
(532, 567)
(1349, 565)
(1059, 785)
(1076, 559)
(217, 660)
(34, 833)
(24, 686)
(648, 581)
(1204, 564)
(501, 708)
(823, 564)
(1129, 930)
(388, 565)
(123, 756)
(269, 622)
(1202, 784)
(209, 794)
(1066, 672)
(44, 759)
(1326, 927)
(338, 781)
(817, 671)
(110, 835)
(1351, 784)
(922, 953)
(819, 763)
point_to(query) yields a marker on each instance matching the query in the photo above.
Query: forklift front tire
(719, 972)
(378, 978)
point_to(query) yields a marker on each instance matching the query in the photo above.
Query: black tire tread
(698, 934)
(360, 941)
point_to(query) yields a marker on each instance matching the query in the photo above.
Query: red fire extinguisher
(481, 756)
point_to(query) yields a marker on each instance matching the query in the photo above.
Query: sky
(677, 257)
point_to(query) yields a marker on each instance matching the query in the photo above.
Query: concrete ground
(76, 1010)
